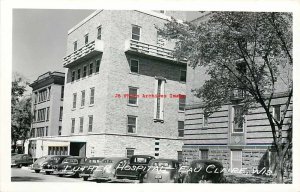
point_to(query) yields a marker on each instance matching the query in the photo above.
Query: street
(25, 174)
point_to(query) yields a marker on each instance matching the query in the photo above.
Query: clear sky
(40, 39)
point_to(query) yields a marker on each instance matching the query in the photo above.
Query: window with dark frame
(49, 93)
(99, 32)
(84, 71)
(86, 39)
(60, 113)
(91, 68)
(80, 124)
(133, 93)
(182, 103)
(48, 113)
(46, 131)
(204, 154)
(73, 76)
(129, 152)
(73, 125)
(136, 32)
(62, 92)
(78, 73)
(183, 75)
(59, 130)
(90, 123)
(180, 128)
(179, 156)
(82, 98)
(134, 66)
(92, 96)
(205, 120)
(237, 119)
(97, 65)
(276, 112)
(75, 45)
(74, 100)
(131, 124)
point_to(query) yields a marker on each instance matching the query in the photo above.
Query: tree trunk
(279, 165)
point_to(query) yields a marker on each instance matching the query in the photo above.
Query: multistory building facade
(47, 110)
(124, 91)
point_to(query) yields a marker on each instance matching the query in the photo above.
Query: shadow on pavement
(25, 179)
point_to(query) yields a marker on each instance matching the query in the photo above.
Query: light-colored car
(21, 160)
(162, 171)
(38, 164)
(106, 169)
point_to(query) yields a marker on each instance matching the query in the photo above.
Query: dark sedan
(21, 160)
(50, 165)
(162, 171)
(88, 167)
(204, 171)
(70, 166)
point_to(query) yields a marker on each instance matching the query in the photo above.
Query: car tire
(47, 172)
(37, 171)
(85, 178)
(20, 165)
(60, 175)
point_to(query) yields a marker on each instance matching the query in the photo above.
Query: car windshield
(70, 161)
(56, 159)
(94, 161)
(161, 164)
(140, 160)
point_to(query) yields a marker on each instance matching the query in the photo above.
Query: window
(49, 92)
(236, 159)
(204, 154)
(42, 95)
(34, 116)
(84, 71)
(205, 120)
(90, 123)
(91, 68)
(35, 97)
(73, 125)
(129, 152)
(92, 95)
(41, 114)
(86, 39)
(46, 131)
(180, 128)
(179, 156)
(181, 102)
(162, 11)
(99, 32)
(276, 112)
(134, 66)
(59, 130)
(159, 101)
(183, 75)
(136, 32)
(75, 45)
(81, 125)
(33, 132)
(60, 113)
(132, 97)
(74, 100)
(82, 98)
(237, 119)
(97, 65)
(160, 40)
(62, 92)
(48, 113)
(78, 73)
(131, 124)
(73, 76)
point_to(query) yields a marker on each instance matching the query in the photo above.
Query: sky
(40, 39)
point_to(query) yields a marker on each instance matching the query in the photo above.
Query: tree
(20, 110)
(249, 52)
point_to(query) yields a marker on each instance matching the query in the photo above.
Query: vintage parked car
(88, 167)
(70, 166)
(135, 169)
(37, 165)
(204, 171)
(162, 171)
(21, 160)
(106, 169)
(51, 164)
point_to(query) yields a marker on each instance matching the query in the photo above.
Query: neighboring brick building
(110, 54)
(47, 109)
(219, 137)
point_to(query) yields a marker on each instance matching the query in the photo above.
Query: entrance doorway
(78, 149)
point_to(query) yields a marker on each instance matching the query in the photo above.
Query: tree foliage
(247, 51)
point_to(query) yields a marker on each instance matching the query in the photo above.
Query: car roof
(145, 156)
(75, 157)
(96, 158)
(115, 158)
(206, 161)
(169, 160)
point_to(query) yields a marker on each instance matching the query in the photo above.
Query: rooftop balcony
(151, 51)
(84, 53)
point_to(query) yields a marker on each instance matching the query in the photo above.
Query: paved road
(25, 174)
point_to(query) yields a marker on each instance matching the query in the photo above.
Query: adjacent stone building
(47, 109)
